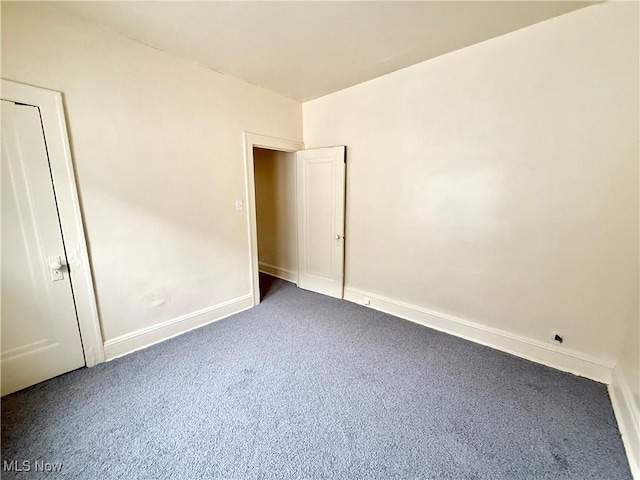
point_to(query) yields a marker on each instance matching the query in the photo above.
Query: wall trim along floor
(628, 418)
(279, 272)
(153, 334)
(534, 350)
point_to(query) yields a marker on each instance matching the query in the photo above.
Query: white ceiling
(305, 50)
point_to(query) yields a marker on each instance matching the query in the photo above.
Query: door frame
(51, 109)
(251, 140)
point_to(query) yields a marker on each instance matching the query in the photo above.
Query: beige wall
(157, 144)
(276, 208)
(499, 183)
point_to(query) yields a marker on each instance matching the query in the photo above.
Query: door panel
(320, 199)
(40, 335)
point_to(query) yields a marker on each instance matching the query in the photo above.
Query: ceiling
(305, 50)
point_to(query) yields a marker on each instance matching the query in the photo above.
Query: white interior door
(320, 200)
(40, 335)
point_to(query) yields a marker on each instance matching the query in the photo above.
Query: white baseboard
(148, 336)
(534, 350)
(628, 418)
(279, 272)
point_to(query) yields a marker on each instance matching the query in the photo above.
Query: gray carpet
(306, 386)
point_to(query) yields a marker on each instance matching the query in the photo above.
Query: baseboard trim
(530, 349)
(628, 418)
(145, 337)
(278, 272)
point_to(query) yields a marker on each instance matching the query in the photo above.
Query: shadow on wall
(276, 209)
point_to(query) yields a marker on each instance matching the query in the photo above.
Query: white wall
(157, 144)
(499, 183)
(275, 178)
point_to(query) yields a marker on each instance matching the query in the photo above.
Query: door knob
(337, 237)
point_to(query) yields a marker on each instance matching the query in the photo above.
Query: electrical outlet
(238, 205)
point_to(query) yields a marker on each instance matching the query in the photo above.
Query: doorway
(275, 194)
(317, 210)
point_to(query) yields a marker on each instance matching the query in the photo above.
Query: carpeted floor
(307, 386)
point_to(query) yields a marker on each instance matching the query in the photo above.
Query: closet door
(320, 203)
(40, 333)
